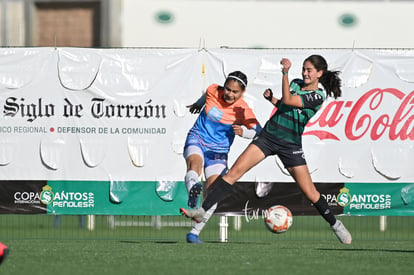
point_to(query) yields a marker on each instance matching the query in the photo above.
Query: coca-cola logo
(379, 113)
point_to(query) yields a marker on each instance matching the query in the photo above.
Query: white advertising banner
(120, 114)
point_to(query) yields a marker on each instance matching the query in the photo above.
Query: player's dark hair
(238, 76)
(330, 79)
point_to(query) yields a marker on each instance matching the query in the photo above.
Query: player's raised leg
(194, 160)
(194, 187)
(221, 189)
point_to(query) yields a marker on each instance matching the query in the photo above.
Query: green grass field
(145, 257)
(309, 247)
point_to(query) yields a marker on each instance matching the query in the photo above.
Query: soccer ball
(278, 219)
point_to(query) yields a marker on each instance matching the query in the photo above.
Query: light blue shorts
(215, 163)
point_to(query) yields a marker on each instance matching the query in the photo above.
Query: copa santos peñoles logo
(47, 196)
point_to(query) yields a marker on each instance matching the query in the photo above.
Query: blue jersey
(213, 127)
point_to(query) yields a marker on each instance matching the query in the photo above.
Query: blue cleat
(193, 238)
(193, 195)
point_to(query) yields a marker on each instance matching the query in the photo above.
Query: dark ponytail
(330, 79)
(332, 83)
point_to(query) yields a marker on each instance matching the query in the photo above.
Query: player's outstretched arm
(196, 107)
(244, 132)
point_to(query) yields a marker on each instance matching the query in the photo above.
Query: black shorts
(290, 154)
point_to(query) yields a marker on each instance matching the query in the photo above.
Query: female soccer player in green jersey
(282, 136)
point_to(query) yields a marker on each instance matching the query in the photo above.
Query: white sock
(336, 225)
(191, 178)
(199, 226)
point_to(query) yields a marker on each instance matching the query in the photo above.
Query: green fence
(174, 228)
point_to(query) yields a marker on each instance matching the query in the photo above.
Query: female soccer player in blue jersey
(225, 114)
(282, 136)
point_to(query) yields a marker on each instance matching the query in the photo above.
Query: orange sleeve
(247, 117)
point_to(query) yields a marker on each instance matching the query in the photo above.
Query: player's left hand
(194, 108)
(237, 129)
(268, 94)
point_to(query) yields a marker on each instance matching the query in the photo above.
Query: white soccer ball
(278, 219)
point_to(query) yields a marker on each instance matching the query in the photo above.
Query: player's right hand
(194, 108)
(286, 64)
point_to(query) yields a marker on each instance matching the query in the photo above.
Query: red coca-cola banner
(367, 117)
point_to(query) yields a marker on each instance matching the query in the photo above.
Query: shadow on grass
(159, 242)
(204, 242)
(367, 249)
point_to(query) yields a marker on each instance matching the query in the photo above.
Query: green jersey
(288, 123)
